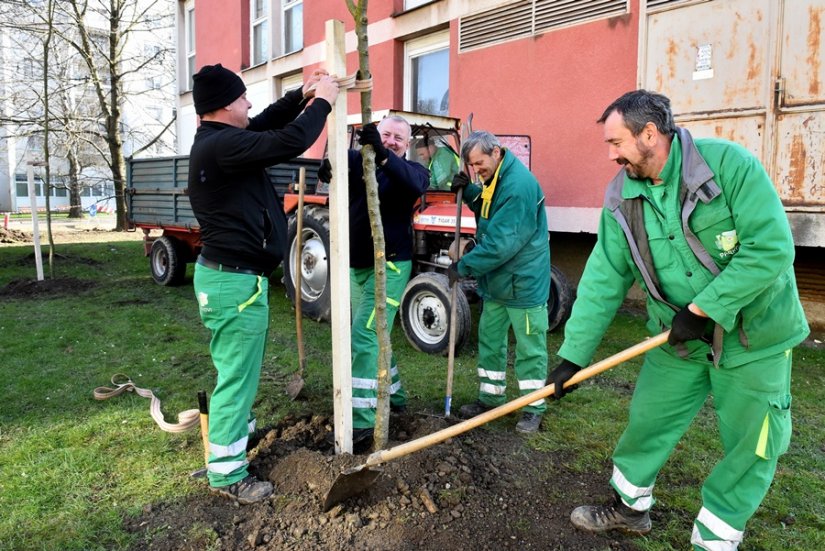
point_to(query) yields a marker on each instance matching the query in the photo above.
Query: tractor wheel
(425, 314)
(561, 299)
(314, 254)
(166, 262)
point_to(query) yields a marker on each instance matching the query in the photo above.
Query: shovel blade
(294, 387)
(348, 484)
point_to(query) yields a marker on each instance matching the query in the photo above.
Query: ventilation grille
(531, 17)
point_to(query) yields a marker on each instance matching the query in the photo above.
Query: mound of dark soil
(31, 288)
(483, 490)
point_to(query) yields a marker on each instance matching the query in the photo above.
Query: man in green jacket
(442, 163)
(699, 226)
(511, 263)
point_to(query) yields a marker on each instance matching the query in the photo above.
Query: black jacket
(241, 218)
(400, 184)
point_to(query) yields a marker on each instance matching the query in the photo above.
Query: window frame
(287, 5)
(261, 22)
(418, 47)
(189, 43)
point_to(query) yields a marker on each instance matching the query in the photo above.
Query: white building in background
(149, 105)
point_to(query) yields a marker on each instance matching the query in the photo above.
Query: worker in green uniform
(401, 182)
(699, 226)
(243, 230)
(511, 263)
(442, 163)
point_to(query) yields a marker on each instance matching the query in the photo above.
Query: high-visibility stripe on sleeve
(364, 384)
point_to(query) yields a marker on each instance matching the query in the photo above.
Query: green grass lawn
(72, 467)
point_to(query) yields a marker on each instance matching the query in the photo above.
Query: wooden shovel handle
(382, 456)
(299, 294)
(453, 309)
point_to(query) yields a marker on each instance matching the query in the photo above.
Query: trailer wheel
(166, 262)
(425, 314)
(561, 299)
(315, 288)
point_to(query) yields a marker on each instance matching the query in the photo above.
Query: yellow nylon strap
(489, 190)
(393, 267)
(253, 298)
(762, 443)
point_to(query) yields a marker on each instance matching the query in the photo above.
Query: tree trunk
(382, 411)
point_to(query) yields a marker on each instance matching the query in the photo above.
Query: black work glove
(325, 171)
(686, 326)
(369, 135)
(452, 273)
(561, 375)
(460, 181)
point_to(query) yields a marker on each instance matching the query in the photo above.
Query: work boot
(471, 410)
(246, 491)
(617, 516)
(529, 422)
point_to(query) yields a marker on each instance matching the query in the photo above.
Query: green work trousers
(235, 309)
(752, 404)
(530, 328)
(365, 340)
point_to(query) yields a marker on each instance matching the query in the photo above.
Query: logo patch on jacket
(728, 243)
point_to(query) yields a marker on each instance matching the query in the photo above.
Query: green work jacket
(716, 235)
(443, 166)
(511, 259)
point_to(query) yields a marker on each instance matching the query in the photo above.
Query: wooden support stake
(339, 243)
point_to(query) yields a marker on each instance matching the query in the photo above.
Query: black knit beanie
(215, 87)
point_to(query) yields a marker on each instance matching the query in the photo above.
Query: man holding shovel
(699, 226)
(401, 183)
(243, 229)
(511, 263)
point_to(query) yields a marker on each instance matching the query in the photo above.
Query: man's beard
(639, 170)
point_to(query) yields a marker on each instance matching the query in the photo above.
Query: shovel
(355, 480)
(293, 388)
(453, 314)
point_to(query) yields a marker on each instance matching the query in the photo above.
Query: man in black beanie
(243, 231)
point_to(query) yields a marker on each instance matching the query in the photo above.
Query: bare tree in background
(111, 80)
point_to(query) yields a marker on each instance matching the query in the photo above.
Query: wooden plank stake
(339, 244)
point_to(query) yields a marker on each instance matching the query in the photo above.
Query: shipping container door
(750, 71)
(713, 60)
(800, 96)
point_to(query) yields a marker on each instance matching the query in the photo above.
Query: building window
(410, 4)
(259, 14)
(293, 25)
(189, 17)
(291, 82)
(427, 74)
(23, 185)
(60, 191)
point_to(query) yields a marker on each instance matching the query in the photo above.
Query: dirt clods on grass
(483, 490)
